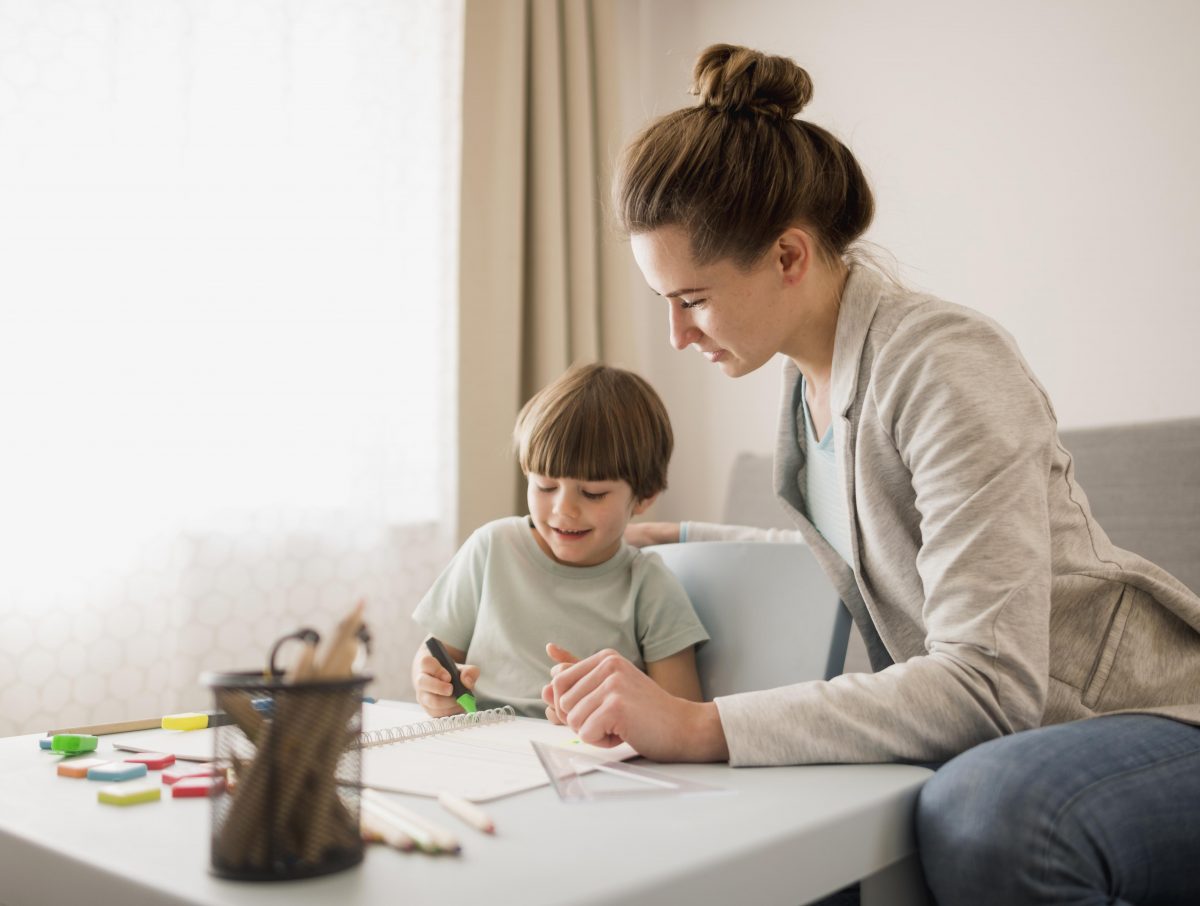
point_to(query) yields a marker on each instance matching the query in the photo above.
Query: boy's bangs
(580, 444)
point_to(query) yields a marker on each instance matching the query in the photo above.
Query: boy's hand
(563, 659)
(432, 684)
(642, 534)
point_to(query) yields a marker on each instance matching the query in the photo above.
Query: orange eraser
(78, 767)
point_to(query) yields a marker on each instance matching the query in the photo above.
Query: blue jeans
(1096, 811)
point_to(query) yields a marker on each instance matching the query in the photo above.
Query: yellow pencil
(120, 726)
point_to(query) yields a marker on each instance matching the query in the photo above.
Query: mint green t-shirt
(502, 598)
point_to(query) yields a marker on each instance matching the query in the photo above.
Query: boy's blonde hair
(597, 423)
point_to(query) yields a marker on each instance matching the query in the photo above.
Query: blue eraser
(264, 706)
(368, 700)
(117, 770)
(46, 742)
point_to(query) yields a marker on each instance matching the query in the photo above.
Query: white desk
(783, 836)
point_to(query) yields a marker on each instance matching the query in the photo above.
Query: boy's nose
(566, 505)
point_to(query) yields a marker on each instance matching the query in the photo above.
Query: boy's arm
(677, 674)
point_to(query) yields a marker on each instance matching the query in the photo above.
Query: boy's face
(580, 523)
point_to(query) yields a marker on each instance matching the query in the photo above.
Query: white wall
(1035, 161)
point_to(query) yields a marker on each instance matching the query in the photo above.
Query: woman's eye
(685, 304)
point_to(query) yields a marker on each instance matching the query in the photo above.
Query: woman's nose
(683, 333)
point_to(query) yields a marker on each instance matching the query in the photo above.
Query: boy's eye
(547, 490)
(598, 495)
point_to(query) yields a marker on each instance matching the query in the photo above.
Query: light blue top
(824, 492)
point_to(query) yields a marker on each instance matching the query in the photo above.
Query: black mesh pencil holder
(290, 804)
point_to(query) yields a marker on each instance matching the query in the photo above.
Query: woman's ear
(794, 253)
(640, 506)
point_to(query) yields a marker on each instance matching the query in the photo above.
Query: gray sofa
(1142, 480)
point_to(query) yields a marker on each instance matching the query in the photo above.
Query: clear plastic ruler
(578, 777)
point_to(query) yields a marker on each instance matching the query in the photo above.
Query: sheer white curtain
(226, 310)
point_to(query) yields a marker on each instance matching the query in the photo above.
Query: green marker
(74, 743)
(461, 695)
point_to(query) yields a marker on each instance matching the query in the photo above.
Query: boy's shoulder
(653, 574)
(503, 526)
(493, 537)
(506, 527)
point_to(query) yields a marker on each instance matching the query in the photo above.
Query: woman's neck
(811, 341)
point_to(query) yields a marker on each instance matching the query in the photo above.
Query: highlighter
(461, 695)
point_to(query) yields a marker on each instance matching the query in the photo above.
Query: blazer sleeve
(976, 433)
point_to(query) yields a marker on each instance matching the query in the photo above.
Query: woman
(920, 460)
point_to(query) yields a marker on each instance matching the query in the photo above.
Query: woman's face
(737, 319)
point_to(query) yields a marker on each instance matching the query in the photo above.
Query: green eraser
(74, 742)
(467, 700)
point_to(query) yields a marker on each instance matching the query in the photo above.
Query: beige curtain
(542, 276)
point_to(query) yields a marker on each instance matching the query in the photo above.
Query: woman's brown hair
(738, 169)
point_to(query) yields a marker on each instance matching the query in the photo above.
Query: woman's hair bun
(737, 79)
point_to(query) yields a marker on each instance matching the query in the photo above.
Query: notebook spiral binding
(435, 726)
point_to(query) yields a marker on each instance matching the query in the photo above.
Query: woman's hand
(562, 660)
(432, 682)
(607, 700)
(642, 534)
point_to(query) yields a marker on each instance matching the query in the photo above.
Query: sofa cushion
(750, 497)
(1143, 484)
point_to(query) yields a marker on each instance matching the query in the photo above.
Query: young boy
(594, 447)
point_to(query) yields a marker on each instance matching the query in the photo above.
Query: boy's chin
(569, 556)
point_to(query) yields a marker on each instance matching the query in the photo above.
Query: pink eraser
(176, 774)
(155, 761)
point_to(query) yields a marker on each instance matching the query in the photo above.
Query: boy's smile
(580, 523)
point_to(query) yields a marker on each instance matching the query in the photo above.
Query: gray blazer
(989, 598)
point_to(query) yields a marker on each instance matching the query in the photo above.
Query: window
(226, 307)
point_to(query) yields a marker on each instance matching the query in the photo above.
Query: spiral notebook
(478, 756)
